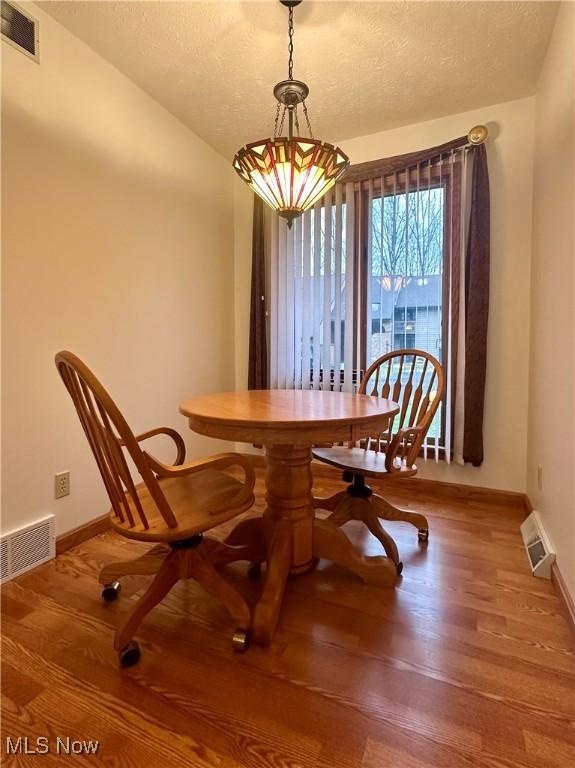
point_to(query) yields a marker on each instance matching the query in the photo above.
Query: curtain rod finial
(477, 135)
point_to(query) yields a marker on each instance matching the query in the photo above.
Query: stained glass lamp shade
(290, 174)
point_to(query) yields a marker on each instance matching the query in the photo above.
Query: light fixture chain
(282, 121)
(307, 120)
(290, 45)
(296, 121)
(276, 121)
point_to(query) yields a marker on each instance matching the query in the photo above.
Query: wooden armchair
(172, 508)
(414, 379)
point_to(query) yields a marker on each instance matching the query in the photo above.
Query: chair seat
(359, 461)
(199, 501)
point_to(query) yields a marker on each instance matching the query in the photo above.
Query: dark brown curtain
(374, 169)
(476, 308)
(258, 350)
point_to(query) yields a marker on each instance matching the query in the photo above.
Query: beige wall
(552, 380)
(118, 245)
(510, 167)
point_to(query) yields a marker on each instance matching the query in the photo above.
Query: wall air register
(25, 548)
(19, 29)
(539, 552)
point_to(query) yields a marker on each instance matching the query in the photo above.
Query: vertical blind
(381, 263)
(312, 291)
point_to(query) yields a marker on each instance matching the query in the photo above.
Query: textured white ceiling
(370, 65)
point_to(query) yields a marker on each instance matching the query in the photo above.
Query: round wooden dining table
(288, 537)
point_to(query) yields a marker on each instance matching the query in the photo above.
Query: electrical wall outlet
(540, 476)
(61, 485)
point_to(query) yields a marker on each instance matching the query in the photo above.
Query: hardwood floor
(468, 662)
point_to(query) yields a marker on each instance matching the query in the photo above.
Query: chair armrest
(409, 452)
(219, 461)
(176, 437)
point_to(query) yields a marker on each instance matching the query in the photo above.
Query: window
(405, 234)
(404, 341)
(405, 280)
(405, 277)
(375, 266)
(405, 313)
(341, 314)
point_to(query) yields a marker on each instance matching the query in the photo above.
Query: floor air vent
(27, 547)
(539, 552)
(19, 29)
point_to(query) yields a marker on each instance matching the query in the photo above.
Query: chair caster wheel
(423, 534)
(255, 571)
(111, 591)
(241, 640)
(130, 654)
(399, 568)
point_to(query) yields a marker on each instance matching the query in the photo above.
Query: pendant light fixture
(290, 173)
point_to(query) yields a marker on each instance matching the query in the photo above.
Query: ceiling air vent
(20, 29)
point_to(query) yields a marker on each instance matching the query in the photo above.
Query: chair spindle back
(108, 434)
(413, 379)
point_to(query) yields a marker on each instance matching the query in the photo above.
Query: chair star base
(359, 502)
(193, 558)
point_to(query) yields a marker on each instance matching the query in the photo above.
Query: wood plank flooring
(468, 662)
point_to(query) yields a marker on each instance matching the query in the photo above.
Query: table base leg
(290, 540)
(331, 543)
(250, 532)
(266, 612)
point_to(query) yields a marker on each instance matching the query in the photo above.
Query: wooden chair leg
(246, 533)
(146, 565)
(330, 543)
(344, 512)
(204, 572)
(220, 553)
(165, 579)
(370, 519)
(387, 511)
(331, 502)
